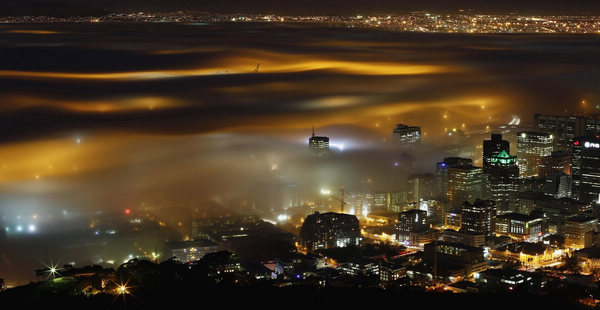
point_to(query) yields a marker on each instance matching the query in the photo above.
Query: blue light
(443, 164)
(298, 276)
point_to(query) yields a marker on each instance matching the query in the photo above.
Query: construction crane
(341, 199)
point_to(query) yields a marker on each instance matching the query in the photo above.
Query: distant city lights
(283, 217)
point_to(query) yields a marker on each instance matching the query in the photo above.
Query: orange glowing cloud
(120, 104)
(269, 63)
(32, 31)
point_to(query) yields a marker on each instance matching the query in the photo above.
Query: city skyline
(433, 152)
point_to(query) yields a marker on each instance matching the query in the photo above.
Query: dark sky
(347, 6)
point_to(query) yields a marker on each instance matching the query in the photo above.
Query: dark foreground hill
(168, 296)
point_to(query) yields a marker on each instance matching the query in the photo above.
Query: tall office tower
(329, 230)
(404, 134)
(532, 147)
(420, 186)
(458, 181)
(585, 160)
(319, 145)
(493, 147)
(558, 185)
(566, 128)
(479, 217)
(441, 174)
(558, 161)
(502, 182)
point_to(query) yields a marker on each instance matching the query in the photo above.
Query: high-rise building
(436, 210)
(493, 147)
(319, 145)
(329, 230)
(558, 185)
(457, 181)
(575, 229)
(585, 159)
(420, 186)
(479, 217)
(566, 128)
(464, 184)
(558, 161)
(409, 223)
(502, 182)
(404, 134)
(532, 147)
(441, 174)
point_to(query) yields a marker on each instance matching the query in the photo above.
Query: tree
(570, 264)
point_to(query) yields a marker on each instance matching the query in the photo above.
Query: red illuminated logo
(576, 143)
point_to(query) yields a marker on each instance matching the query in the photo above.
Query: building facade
(479, 217)
(404, 134)
(575, 229)
(502, 182)
(566, 128)
(329, 230)
(532, 147)
(585, 159)
(319, 145)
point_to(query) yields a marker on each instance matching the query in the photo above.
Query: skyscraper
(458, 180)
(479, 217)
(558, 161)
(493, 147)
(558, 185)
(420, 186)
(329, 230)
(566, 128)
(404, 134)
(585, 159)
(441, 174)
(319, 145)
(532, 147)
(502, 182)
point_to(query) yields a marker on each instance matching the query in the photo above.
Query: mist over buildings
(99, 119)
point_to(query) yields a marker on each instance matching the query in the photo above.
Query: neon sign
(592, 145)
